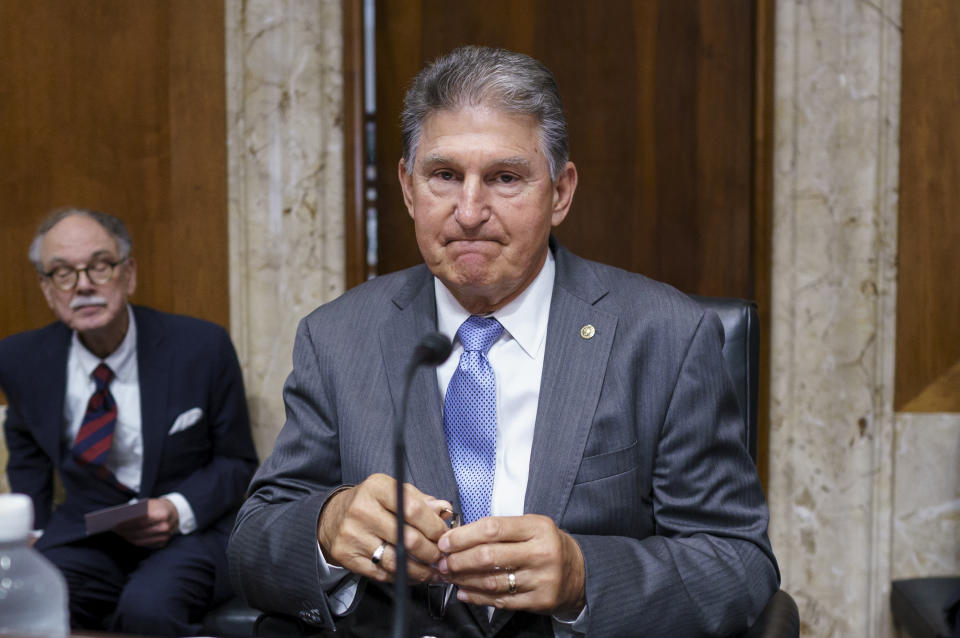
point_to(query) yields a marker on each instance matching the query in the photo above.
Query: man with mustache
(585, 425)
(123, 402)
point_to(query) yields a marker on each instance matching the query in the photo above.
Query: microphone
(433, 349)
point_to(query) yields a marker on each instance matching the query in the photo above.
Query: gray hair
(111, 224)
(483, 76)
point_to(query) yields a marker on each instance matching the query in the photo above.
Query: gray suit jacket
(637, 453)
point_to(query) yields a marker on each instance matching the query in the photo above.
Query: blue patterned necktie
(470, 417)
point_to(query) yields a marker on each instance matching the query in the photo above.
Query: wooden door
(659, 98)
(927, 377)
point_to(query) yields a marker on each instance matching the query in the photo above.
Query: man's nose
(472, 206)
(83, 281)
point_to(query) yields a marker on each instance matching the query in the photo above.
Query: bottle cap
(16, 517)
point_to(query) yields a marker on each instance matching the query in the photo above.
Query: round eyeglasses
(99, 272)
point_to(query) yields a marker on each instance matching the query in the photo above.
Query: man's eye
(100, 267)
(61, 272)
(506, 178)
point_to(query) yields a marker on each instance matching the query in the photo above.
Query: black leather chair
(927, 607)
(232, 619)
(741, 350)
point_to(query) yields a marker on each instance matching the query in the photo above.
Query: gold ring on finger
(511, 582)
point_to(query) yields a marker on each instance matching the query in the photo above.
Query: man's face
(93, 310)
(483, 203)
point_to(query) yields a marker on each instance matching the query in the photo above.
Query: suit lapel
(428, 464)
(573, 369)
(153, 365)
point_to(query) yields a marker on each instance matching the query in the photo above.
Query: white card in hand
(109, 517)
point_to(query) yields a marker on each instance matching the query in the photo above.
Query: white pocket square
(186, 420)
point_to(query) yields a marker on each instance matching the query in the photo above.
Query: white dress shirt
(517, 361)
(125, 458)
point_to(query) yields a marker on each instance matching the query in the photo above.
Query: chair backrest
(741, 350)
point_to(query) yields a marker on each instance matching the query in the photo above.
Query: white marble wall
(926, 500)
(858, 494)
(285, 147)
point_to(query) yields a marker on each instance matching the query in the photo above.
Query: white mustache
(94, 300)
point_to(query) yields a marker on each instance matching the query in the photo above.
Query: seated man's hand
(356, 520)
(155, 528)
(546, 563)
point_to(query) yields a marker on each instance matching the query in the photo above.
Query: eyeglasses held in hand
(438, 595)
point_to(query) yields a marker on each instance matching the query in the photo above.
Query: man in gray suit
(584, 425)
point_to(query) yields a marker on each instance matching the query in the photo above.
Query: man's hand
(356, 520)
(546, 563)
(155, 528)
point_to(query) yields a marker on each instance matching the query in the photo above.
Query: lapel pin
(588, 331)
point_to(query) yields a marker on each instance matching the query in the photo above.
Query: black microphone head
(433, 349)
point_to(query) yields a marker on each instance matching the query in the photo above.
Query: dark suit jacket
(637, 453)
(183, 363)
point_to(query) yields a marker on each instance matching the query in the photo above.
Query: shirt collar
(120, 360)
(524, 318)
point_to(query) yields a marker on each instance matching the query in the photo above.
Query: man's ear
(406, 185)
(131, 286)
(47, 289)
(563, 189)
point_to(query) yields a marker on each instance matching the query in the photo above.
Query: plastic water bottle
(33, 593)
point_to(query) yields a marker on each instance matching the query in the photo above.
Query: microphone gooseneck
(432, 350)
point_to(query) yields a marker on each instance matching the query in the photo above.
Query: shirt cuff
(339, 583)
(188, 522)
(576, 627)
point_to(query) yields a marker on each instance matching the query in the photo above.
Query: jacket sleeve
(273, 551)
(29, 469)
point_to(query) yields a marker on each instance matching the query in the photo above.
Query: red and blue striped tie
(95, 437)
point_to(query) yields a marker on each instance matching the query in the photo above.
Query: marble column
(286, 195)
(834, 239)
(859, 495)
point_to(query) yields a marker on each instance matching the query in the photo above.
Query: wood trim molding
(938, 396)
(355, 228)
(764, 35)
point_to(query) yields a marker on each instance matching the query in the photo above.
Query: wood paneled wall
(659, 99)
(118, 106)
(928, 286)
